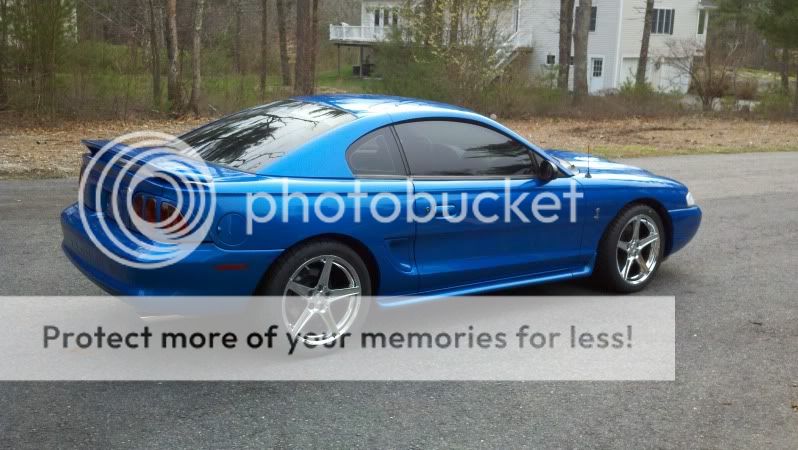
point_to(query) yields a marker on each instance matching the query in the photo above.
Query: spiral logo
(146, 200)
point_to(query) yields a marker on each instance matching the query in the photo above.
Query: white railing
(357, 33)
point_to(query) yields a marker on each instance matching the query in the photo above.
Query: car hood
(578, 162)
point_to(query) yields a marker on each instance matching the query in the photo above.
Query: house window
(662, 22)
(385, 17)
(598, 67)
(702, 21)
(376, 17)
(395, 17)
(550, 59)
(593, 16)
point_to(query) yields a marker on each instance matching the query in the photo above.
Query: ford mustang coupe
(326, 200)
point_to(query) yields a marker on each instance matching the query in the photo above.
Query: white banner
(466, 338)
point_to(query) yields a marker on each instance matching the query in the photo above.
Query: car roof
(361, 105)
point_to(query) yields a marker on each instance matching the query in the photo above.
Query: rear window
(252, 139)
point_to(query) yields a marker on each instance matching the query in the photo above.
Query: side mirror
(547, 171)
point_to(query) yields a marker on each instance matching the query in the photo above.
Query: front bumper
(207, 271)
(685, 223)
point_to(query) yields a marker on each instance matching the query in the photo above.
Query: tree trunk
(642, 62)
(581, 33)
(303, 83)
(795, 103)
(283, 38)
(566, 37)
(173, 78)
(785, 70)
(264, 47)
(314, 42)
(428, 22)
(3, 38)
(196, 77)
(238, 39)
(155, 53)
(456, 13)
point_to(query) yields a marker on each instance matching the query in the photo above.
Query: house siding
(541, 23)
(660, 74)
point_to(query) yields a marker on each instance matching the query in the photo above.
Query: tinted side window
(376, 154)
(461, 149)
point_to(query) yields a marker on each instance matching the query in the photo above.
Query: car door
(466, 178)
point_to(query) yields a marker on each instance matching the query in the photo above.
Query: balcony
(357, 34)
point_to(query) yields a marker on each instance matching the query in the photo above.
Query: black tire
(608, 272)
(276, 281)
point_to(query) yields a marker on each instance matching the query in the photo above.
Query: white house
(533, 25)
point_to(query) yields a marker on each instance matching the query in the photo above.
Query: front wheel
(631, 250)
(319, 291)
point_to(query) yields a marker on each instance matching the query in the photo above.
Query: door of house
(596, 73)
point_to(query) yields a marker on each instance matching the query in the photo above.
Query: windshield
(252, 139)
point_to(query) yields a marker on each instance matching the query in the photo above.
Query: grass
(761, 73)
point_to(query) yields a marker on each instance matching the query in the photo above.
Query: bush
(775, 104)
(746, 90)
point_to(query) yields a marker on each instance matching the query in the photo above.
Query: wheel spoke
(324, 278)
(636, 230)
(300, 289)
(329, 320)
(626, 268)
(623, 246)
(643, 265)
(338, 294)
(648, 240)
(301, 321)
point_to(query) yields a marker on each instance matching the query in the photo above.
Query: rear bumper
(198, 274)
(685, 224)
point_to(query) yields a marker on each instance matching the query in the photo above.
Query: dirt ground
(53, 151)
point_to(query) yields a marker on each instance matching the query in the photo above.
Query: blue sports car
(329, 199)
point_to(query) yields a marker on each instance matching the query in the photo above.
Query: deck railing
(358, 33)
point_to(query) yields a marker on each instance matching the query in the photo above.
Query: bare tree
(196, 61)
(581, 33)
(303, 81)
(3, 39)
(283, 38)
(642, 62)
(155, 51)
(710, 73)
(264, 47)
(566, 37)
(238, 39)
(785, 70)
(314, 40)
(455, 13)
(173, 79)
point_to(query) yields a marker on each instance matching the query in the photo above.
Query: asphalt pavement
(736, 382)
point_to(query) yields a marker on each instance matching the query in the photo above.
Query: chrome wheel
(321, 300)
(638, 249)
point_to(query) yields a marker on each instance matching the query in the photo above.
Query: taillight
(170, 213)
(164, 214)
(149, 210)
(138, 205)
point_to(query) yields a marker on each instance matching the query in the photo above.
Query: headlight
(690, 199)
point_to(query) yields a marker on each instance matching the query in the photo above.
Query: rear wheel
(318, 292)
(631, 250)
